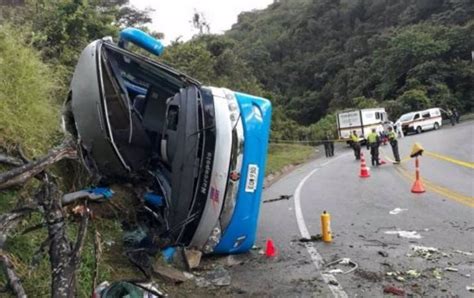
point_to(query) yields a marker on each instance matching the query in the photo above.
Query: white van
(420, 121)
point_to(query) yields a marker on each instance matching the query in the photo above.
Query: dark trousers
(329, 148)
(396, 154)
(374, 152)
(356, 147)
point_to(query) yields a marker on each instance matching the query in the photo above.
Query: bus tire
(418, 130)
(436, 126)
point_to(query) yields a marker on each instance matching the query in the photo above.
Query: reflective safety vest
(372, 138)
(354, 138)
(392, 136)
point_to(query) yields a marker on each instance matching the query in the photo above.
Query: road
(364, 229)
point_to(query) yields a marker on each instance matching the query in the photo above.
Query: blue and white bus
(201, 150)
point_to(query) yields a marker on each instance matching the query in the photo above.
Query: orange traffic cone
(364, 171)
(418, 185)
(270, 251)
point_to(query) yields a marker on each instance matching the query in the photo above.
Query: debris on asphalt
(333, 282)
(218, 277)
(343, 261)
(334, 271)
(394, 290)
(313, 238)
(255, 247)
(413, 273)
(451, 269)
(383, 253)
(405, 234)
(280, 198)
(397, 211)
(437, 273)
(193, 257)
(470, 288)
(424, 252)
(466, 253)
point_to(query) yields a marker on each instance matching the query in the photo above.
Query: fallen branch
(20, 175)
(63, 256)
(10, 160)
(13, 279)
(97, 256)
(9, 220)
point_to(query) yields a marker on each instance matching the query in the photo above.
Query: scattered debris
(413, 273)
(343, 261)
(334, 271)
(168, 254)
(218, 277)
(437, 273)
(193, 257)
(470, 288)
(423, 251)
(466, 253)
(393, 290)
(383, 253)
(333, 282)
(451, 269)
(397, 211)
(313, 238)
(170, 273)
(282, 197)
(405, 234)
(128, 289)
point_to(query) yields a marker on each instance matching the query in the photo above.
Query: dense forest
(310, 57)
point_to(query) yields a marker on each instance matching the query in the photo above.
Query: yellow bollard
(326, 227)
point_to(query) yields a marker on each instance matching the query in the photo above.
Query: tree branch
(20, 175)
(13, 279)
(10, 160)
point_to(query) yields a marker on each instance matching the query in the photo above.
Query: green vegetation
(319, 56)
(28, 113)
(281, 155)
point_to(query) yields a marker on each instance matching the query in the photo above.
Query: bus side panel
(241, 232)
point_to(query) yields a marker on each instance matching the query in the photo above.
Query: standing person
(456, 115)
(392, 137)
(373, 142)
(451, 117)
(355, 144)
(327, 149)
(330, 138)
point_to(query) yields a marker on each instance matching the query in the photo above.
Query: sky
(173, 17)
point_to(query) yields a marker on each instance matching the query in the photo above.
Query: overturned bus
(201, 150)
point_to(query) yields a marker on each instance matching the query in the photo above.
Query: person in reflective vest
(355, 144)
(373, 142)
(392, 137)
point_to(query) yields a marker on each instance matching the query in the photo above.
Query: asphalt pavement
(422, 244)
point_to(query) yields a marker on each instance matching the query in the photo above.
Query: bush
(28, 113)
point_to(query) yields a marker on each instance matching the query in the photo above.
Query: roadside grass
(29, 113)
(281, 155)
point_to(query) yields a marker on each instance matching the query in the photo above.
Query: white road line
(329, 279)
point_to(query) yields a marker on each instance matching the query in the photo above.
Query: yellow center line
(450, 159)
(446, 192)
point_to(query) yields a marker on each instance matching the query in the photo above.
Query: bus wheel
(436, 126)
(418, 129)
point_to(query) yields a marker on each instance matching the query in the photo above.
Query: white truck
(362, 121)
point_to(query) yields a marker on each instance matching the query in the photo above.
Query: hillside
(322, 55)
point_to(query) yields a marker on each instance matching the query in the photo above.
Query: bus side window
(377, 115)
(426, 115)
(417, 116)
